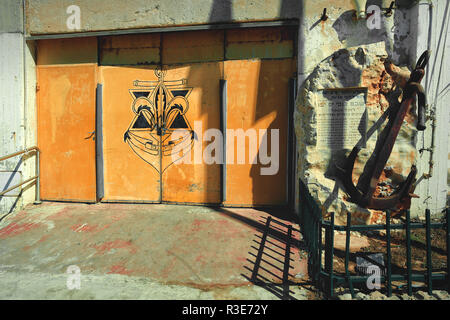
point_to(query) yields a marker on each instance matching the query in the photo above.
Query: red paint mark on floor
(15, 229)
(119, 269)
(42, 239)
(197, 224)
(209, 224)
(60, 215)
(116, 244)
(117, 216)
(87, 228)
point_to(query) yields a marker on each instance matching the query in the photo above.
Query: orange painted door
(257, 104)
(66, 125)
(191, 166)
(131, 154)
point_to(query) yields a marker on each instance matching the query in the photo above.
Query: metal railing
(310, 217)
(331, 279)
(36, 177)
(327, 279)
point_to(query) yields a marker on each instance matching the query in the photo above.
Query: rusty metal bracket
(364, 195)
(388, 11)
(324, 16)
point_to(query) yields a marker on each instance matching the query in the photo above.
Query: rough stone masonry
(377, 86)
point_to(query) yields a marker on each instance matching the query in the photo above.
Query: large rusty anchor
(364, 195)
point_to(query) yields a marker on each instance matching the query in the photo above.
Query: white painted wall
(434, 20)
(11, 105)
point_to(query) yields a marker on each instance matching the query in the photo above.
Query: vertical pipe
(448, 248)
(408, 251)
(223, 123)
(290, 179)
(347, 253)
(38, 179)
(332, 254)
(99, 143)
(429, 261)
(388, 249)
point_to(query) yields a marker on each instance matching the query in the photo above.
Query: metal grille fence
(324, 275)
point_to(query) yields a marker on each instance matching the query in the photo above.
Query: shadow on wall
(262, 187)
(394, 31)
(205, 58)
(8, 203)
(271, 105)
(349, 75)
(221, 11)
(270, 109)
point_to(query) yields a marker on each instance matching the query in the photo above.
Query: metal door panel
(131, 164)
(66, 125)
(257, 99)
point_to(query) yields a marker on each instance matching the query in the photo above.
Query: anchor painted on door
(160, 109)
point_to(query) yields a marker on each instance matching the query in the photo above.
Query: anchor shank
(383, 150)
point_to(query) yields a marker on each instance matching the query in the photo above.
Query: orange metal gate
(142, 110)
(163, 119)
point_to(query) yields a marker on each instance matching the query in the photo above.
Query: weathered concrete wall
(321, 40)
(11, 93)
(11, 15)
(50, 16)
(11, 101)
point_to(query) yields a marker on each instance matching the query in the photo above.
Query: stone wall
(343, 52)
(362, 67)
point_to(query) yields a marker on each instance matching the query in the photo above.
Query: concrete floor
(129, 251)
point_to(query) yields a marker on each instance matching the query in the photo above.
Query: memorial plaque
(341, 118)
